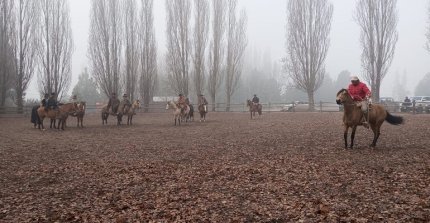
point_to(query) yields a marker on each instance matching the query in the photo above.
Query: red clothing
(358, 92)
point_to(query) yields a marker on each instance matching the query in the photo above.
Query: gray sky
(266, 31)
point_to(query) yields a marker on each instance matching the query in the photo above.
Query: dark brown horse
(353, 116)
(254, 108)
(203, 110)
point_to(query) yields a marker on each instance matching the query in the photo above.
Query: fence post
(321, 106)
(413, 107)
(294, 106)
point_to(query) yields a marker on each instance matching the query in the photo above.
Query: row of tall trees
(35, 35)
(187, 58)
(308, 29)
(122, 47)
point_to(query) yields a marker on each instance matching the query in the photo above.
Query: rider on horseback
(182, 102)
(44, 101)
(125, 102)
(361, 94)
(255, 100)
(113, 104)
(52, 102)
(202, 101)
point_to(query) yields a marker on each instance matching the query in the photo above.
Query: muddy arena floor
(281, 167)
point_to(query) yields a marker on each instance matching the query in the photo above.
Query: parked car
(422, 103)
(390, 104)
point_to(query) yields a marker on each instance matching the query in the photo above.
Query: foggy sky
(266, 32)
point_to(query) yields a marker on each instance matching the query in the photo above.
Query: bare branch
(308, 29)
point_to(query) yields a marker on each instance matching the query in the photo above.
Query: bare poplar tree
(308, 29)
(147, 53)
(236, 44)
(25, 46)
(378, 21)
(427, 45)
(105, 44)
(6, 51)
(131, 47)
(216, 48)
(56, 47)
(201, 27)
(178, 44)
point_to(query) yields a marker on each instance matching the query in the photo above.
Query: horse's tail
(394, 120)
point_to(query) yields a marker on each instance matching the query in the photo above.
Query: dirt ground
(282, 167)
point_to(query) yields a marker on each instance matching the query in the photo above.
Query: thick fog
(266, 40)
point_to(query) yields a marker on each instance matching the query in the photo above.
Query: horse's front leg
(345, 136)
(353, 136)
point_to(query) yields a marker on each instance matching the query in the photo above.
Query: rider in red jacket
(361, 94)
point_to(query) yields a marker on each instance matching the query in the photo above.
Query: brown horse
(61, 114)
(129, 111)
(254, 108)
(203, 110)
(353, 116)
(80, 113)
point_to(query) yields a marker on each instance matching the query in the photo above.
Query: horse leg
(353, 136)
(376, 133)
(345, 136)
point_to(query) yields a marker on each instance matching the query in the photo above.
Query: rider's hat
(354, 78)
(255, 95)
(180, 95)
(124, 95)
(53, 94)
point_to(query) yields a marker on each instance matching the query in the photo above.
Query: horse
(190, 115)
(79, 114)
(177, 112)
(129, 111)
(254, 108)
(105, 114)
(61, 114)
(353, 116)
(203, 110)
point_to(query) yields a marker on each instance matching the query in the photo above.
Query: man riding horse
(113, 104)
(44, 102)
(52, 102)
(361, 94)
(125, 102)
(182, 103)
(202, 101)
(255, 100)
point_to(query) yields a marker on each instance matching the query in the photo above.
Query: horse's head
(170, 104)
(248, 103)
(136, 104)
(342, 96)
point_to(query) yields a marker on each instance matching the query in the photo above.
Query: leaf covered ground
(282, 167)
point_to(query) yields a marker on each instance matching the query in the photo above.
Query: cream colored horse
(177, 113)
(129, 112)
(353, 116)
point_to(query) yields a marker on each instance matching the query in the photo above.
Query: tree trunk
(213, 102)
(228, 98)
(19, 101)
(311, 101)
(146, 101)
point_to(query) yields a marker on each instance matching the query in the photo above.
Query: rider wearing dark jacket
(255, 99)
(52, 102)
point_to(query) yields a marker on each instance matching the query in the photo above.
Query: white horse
(177, 114)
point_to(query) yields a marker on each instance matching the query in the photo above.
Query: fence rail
(242, 107)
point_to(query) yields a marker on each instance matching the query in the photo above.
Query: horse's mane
(341, 91)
